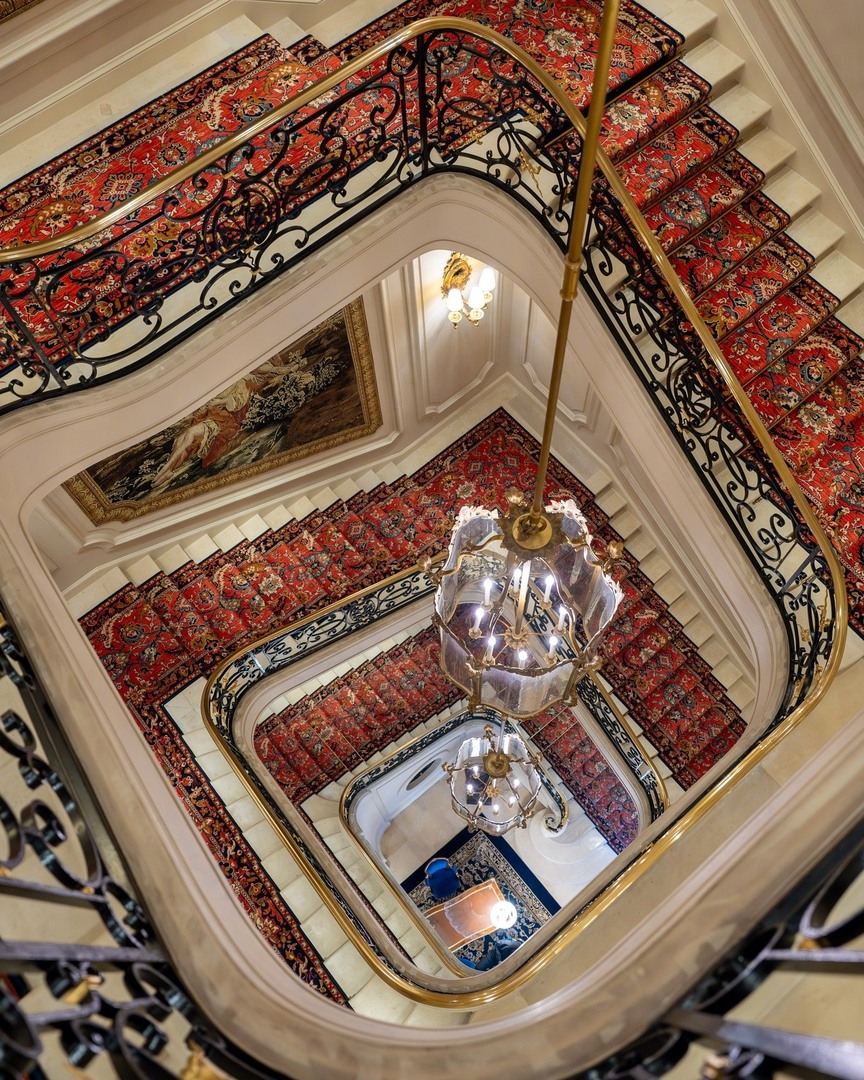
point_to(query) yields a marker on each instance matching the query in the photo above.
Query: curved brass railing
(819, 685)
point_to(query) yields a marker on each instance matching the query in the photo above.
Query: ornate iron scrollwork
(84, 977)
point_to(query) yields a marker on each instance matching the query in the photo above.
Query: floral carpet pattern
(477, 858)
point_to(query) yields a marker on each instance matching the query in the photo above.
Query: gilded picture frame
(275, 414)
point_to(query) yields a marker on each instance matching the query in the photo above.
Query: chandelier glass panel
(519, 628)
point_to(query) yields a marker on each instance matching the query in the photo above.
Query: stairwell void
(169, 629)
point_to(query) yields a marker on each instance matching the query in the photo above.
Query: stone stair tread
(301, 508)
(672, 590)
(693, 20)
(767, 150)
(390, 471)
(277, 517)
(285, 31)
(95, 593)
(742, 693)
(252, 527)
(349, 969)
(814, 231)
(142, 570)
(201, 548)
(851, 313)
(715, 63)
(742, 108)
(792, 191)
(228, 537)
(344, 489)
(726, 672)
(839, 274)
(324, 498)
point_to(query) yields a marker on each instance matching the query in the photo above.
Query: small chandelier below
(462, 302)
(495, 781)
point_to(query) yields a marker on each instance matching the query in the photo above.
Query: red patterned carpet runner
(330, 732)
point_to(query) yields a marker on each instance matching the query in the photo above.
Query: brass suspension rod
(573, 259)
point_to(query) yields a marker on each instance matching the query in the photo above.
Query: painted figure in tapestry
(317, 392)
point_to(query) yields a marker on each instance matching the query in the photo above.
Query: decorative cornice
(10, 8)
(814, 73)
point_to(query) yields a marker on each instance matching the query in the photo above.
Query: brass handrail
(820, 685)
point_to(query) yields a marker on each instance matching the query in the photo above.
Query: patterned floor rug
(477, 858)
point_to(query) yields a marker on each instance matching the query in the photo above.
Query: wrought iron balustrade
(675, 368)
(83, 978)
(116, 293)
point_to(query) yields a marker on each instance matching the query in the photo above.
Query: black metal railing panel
(675, 370)
(118, 300)
(84, 979)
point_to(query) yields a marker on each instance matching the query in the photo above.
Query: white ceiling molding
(822, 72)
(806, 109)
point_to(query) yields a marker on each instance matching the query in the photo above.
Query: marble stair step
(673, 591)
(253, 527)
(344, 489)
(839, 274)
(172, 558)
(278, 516)
(284, 30)
(228, 537)
(815, 232)
(718, 65)
(791, 191)
(851, 313)
(141, 570)
(324, 498)
(690, 18)
(767, 150)
(742, 108)
(96, 592)
(742, 693)
(201, 548)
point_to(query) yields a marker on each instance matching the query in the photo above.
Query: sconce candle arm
(573, 261)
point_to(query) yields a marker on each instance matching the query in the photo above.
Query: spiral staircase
(148, 561)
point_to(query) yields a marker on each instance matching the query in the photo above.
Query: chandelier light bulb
(550, 581)
(454, 300)
(489, 650)
(478, 618)
(487, 591)
(487, 281)
(553, 645)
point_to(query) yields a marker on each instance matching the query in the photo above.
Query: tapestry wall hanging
(313, 395)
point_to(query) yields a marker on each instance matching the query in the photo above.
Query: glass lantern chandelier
(494, 781)
(522, 600)
(520, 625)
